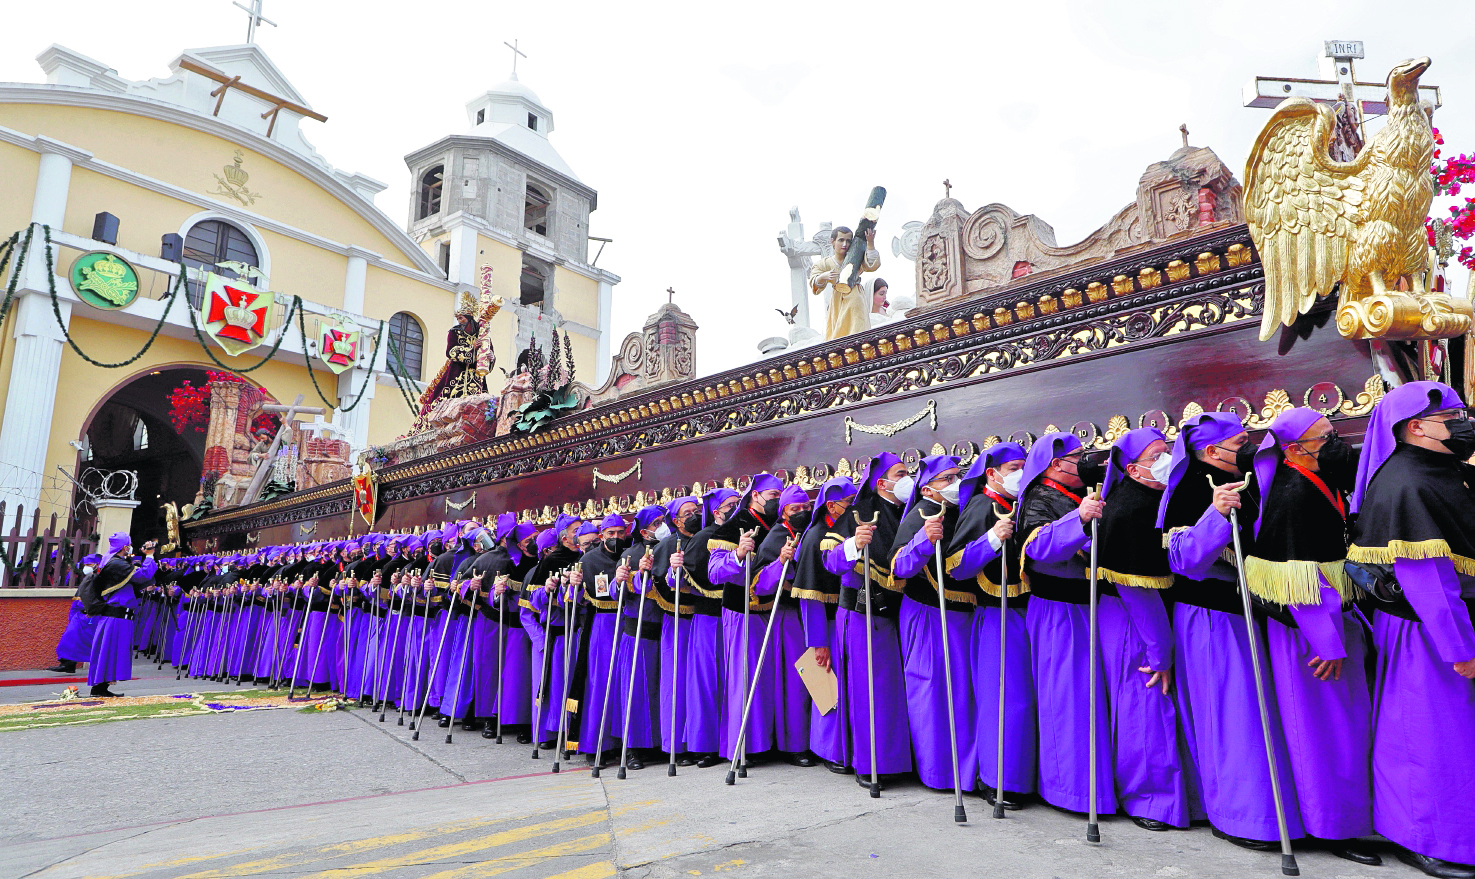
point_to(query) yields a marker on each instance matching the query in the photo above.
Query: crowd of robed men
(956, 609)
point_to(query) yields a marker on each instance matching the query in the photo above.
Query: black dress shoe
(525, 738)
(443, 722)
(708, 760)
(633, 762)
(837, 768)
(865, 781)
(1254, 845)
(1353, 850)
(545, 746)
(803, 758)
(1435, 866)
(489, 733)
(1012, 801)
(102, 691)
(66, 668)
(472, 724)
(1150, 824)
(685, 759)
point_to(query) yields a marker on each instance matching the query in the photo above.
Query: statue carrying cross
(254, 10)
(515, 53)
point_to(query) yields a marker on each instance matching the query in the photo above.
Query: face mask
(662, 532)
(950, 493)
(770, 510)
(1161, 468)
(799, 521)
(1091, 470)
(87, 569)
(692, 524)
(1013, 483)
(616, 545)
(903, 488)
(1337, 462)
(1461, 442)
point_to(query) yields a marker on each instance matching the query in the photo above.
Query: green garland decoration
(368, 374)
(20, 263)
(402, 378)
(65, 331)
(242, 370)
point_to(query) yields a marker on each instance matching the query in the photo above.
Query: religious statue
(1356, 226)
(850, 305)
(261, 449)
(469, 354)
(171, 527)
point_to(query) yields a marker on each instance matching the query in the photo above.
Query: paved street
(338, 795)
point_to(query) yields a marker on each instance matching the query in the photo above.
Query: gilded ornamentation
(469, 502)
(1190, 411)
(1276, 402)
(895, 427)
(1178, 270)
(1364, 402)
(1356, 227)
(233, 184)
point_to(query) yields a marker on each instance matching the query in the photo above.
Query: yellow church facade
(209, 167)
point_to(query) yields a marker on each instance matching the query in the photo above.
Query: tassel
(1140, 581)
(1406, 549)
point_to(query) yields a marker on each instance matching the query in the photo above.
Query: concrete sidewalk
(273, 793)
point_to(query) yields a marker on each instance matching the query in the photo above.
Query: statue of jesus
(849, 304)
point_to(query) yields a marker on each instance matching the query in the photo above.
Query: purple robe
(740, 665)
(639, 719)
(75, 644)
(598, 665)
(111, 657)
(1021, 738)
(675, 663)
(503, 678)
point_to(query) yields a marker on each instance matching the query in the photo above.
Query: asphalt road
(340, 796)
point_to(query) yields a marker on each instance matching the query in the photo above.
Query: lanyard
(1331, 496)
(1062, 489)
(1004, 502)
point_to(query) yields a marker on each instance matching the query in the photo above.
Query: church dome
(515, 89)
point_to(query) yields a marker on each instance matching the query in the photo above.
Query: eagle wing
(1303, 209)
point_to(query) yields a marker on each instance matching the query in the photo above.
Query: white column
(601, 348)
(463, 259)
(355, 421)
(53, 180)
(25, 431)
(355, 278)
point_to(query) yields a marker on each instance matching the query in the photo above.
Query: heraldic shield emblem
(338, 346)
(236, 314)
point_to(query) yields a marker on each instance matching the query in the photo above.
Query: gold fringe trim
(126, 580)
(1406, 549)
(812, 595)
(949, 594)
(686, 609)
(1024, 558)
(720, 544)
(1296, 582)
(879, 575)
(1139, 581)
(988, 586)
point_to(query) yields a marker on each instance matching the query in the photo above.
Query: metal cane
(501, 655)
(435, 663)
(609, 679)
(1093, 831)
(959, 814)
(1287, 858)
(634, 667)
(675, 667)
(740, 758)
(871, 656)
(297, 664)
(1003, 515)
(758, 673)
(461, 669)
(544, 681)
(568, 635)
(395, 621)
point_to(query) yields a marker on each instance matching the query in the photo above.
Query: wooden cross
(1184, 129)
(515, 52)
(254, 10)
(264, 468)
(947, 186)
(1355, 100)
(670, 295)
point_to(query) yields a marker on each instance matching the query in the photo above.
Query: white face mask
(903, 488)
(87, 569)
(1161, 468)
(663, 531)
(1013, 483)
(950, 493)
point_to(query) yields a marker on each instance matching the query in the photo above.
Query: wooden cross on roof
(947, 188)
(670, 295)
(254, 10)
(515, 53)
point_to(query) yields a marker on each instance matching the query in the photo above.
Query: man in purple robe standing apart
(1416, 520)
(113, 600)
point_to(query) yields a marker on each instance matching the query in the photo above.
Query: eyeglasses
(946, 479)
(1446, 415)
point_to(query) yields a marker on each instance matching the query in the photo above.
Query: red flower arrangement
(1449, 176)
(189, 406)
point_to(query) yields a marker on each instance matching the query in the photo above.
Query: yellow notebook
(823, 686)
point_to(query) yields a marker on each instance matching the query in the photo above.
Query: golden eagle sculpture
(1357, 227)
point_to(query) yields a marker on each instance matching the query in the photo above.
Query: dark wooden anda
(1140, 339)
(36, 558)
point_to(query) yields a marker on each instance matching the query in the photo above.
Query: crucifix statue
(1354, 100)
(254, 11)
(515, 53)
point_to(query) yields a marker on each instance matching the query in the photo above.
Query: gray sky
(700, 124)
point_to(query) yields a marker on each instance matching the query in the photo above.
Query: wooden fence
(34, 559)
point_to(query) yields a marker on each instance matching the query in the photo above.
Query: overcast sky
(700, 124)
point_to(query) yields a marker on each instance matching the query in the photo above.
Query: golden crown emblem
(239, 316)
(343, 346)
(235, 173)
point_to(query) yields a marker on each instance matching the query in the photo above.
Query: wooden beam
(253, 91)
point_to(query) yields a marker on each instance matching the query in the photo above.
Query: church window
(211, 242)
(535, 210)
(532, 121)
(140, 435)
(430, 187)
(481, 116)
(443, 257)
(534, 284)
(408, 339)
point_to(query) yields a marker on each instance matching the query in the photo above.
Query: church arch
(211, 238)
(535, 209)
(431, 185)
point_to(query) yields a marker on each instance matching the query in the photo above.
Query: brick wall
(30, 627)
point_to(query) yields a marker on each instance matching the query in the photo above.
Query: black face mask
(1337, 462)
(1461, 442)
(770, 510)
(1244, 457)
(1091, 469)
(799, 521)
(616, 545)
(692, 524)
